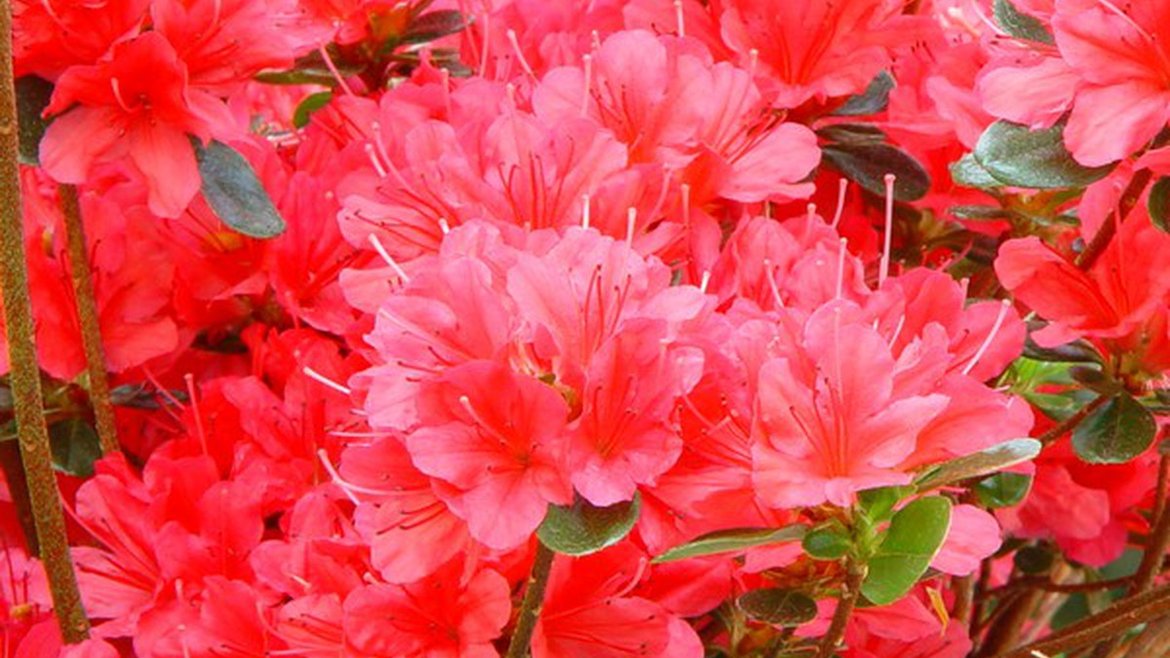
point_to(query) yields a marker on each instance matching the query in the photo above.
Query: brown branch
(1109, 623)
(25, 378)
(1104, 236)
(530, 606)
(850, 592)
(1072, 421)
(87, 316)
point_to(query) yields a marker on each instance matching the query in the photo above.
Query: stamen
(631, 221)
(678, 17)
(322, 379)
(753, 61)
(585, 211)
(685, 191)
(811, 209)
(334, 72)
(335, 477)
(117, 88)
(841, 269)
(842, 185)
(483, 56)
(373, 158)
(885, 264)
(595, 40)
(704, 281)
(999, 318)
(389, 259)
(772, 283)
(444, 226)
(190, 379)
(587, 64)
(519, 53)
(897, 330)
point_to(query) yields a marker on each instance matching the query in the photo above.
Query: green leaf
(913, 539)
(307, 107)
(826, 543)
(234, 192)
(874, 99)
(1116, 432)
(979, 213)
(434, 25)
(967, 171)
(1037, 159)
(867, 165)
(779, 607)
(852, 133)
(1158, 203)
(726, 541)
(878, 503)
(1002, 489)
(995, 458)
(581, 528)
(75, 447)
(1077, 351)
(1019, 24)
(32, 97)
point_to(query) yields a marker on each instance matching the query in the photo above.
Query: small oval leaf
(1002, 489)
(307, 107)
(995, 458)
(581, 528)
(1158, 203)
(735, 539)
(1116, 432)
(1017, 156)
(879, 503)
(826, 544)
(1020, 25)
(867, 165)
(433, 25)
(234, 192)
(32, 97)
(779, 607)
(75, 447)
(966, 171)
(913, 539)
(874, 99)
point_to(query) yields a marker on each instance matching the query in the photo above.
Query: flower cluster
(609, 329)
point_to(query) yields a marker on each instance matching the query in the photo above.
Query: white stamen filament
(520, 53)
(388, 258)
(631, 222)
(585, 211)
(885, 263)
(840, 291)
(587, 65)
(325, 381)
(678, 17)
(842, 186)
(334, 72)
(772, 283)
(983, 347)
(705, 281)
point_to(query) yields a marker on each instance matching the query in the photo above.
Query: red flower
(135, 105)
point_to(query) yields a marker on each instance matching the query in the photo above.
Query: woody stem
(87, 315)
(25, 379)
(530, 606)
(850, 592)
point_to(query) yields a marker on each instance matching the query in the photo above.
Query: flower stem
(850, 592)
(530, 606)
(25, 378)
(87, 316)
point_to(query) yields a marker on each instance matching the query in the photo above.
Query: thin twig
(1072, 421)
(850, 592)
(1104, 236)
(530, 606)
(87, 316)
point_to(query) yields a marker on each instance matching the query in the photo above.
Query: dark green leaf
(312, 69)
(1034, 559)
(1075, 352)
(75, 447)
(1037, 159)
(726, 541)
(1019, 24)
(995, 458)
(852, 133)
(234, 192)
(1002, 489)
(826, 543)
(1159, 203)
(779, 607)
(967, 171)
(867, 165)
(979, 213)
(581, 528)
(914, 537)
(1116, 432)
(32, 97)
(434, 25)
(874, 99)
(311, 104)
